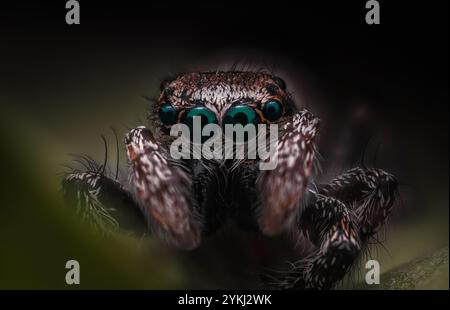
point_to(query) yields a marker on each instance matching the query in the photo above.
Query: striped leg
(346, 213)
(330, 225)
(164, 190)
(371, 192)
(282, 188)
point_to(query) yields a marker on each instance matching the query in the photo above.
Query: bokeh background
(380, 90)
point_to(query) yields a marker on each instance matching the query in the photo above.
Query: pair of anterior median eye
(237, 114)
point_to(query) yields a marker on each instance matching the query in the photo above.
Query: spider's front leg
(339, 219)
(282, 188)
(163, 189)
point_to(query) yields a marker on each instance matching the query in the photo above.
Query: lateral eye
(272, 110)
(168, 114)
(241, 114)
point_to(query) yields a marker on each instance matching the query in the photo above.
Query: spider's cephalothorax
(185, 200)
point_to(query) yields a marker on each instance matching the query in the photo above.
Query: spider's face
(223, 98)
(188, 198)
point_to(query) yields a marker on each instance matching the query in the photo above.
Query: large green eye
(241, 114)
(272, 110)
(206, 117)
(168, 114)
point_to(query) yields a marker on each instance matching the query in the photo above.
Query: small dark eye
(241, 114)
(272, 110)
(280, 82)
(168, 114)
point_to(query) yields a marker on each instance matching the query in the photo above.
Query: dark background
(383, 88)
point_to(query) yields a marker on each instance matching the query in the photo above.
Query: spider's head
(223, 98)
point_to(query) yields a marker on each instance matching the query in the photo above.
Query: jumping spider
(184, 201)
